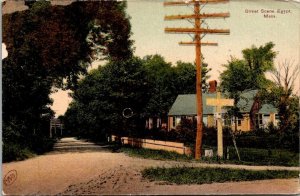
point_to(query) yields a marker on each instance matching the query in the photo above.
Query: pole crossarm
(202, 43)
(196, 30)
(187, 2)
(194, 16)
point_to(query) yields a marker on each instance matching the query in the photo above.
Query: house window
(178, 120)
(259, 120)
(227, 122)
(239, 121)
(205, 120)
(158, 122)
(226, 119)
(174, 121)
(276, 120)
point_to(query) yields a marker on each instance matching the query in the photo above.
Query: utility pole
(198, 18)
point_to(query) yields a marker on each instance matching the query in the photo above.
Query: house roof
(267, 109)
(185, 105)
(246, 101)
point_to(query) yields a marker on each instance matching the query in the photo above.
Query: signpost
(219, 103)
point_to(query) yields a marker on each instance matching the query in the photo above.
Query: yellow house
(253, 114)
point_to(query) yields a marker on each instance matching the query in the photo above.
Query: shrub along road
(96, 170)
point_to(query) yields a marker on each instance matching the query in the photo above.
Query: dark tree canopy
(102, 97)
(52, 46)
(65, 39)
(148, 86)
(167, 81)
(247, 73)
(162, 86)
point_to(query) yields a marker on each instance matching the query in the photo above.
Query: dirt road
(94, 170)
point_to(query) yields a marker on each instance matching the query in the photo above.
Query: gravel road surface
(72, 169)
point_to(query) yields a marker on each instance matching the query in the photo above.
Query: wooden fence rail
(155, 144)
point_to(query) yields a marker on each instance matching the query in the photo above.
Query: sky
(246, 29)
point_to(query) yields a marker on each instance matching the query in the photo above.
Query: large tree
(162, 86)
(186, 77)
(110, 99)
(281, 95)
(64, 40)
(259, 60)
(148, 87)
(52, 46)
(167, 81)
(247, 73)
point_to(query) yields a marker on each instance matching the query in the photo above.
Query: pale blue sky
(147, 20)
(245, 29)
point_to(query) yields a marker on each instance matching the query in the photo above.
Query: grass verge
(154, 154)
(255, 156)
(186, 175)
(249, 156)
(17, 152)
(14, 152)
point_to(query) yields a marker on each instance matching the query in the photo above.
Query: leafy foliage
(167, 81)
(52, 46)
(260, 59)
(162, 85)
(102, 96)
(261, 156)
(147, 86)
(186, 131)
(280, 94)
(64, 48)
(247, 73)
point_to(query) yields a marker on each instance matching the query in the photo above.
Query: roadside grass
(154, 154)
(254, 156)
(14, 152)
(249, 156)
(206, 175)
(17, 152)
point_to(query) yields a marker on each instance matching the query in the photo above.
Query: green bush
(14, 152)
(41, 144)
(265, 156)
(191, 175)
(266, 139)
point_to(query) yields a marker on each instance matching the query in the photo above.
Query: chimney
(212, 86)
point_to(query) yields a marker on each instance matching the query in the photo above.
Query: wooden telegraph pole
(197, 31)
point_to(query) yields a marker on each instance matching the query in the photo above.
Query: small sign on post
(208, 153)
(217, 115)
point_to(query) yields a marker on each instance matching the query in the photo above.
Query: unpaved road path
(74, 169)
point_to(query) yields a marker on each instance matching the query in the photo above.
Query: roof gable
(246, 101)
(267, 109)
(185, 104)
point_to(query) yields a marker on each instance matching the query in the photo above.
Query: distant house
(254, 115)
(185, 107)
